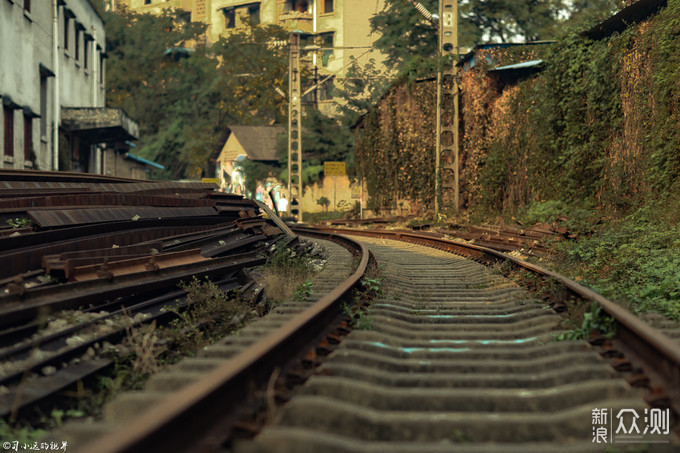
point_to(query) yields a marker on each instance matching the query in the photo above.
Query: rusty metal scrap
(61, 217)
(101, 199)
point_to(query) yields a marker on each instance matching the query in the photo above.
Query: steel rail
(25, 252)
(198, 409)
(60, 176)
(656, 354)
(23, 308)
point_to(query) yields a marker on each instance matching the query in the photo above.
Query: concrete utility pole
(294, 128)
(446, 157)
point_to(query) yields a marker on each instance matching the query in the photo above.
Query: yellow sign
(211, 180)
(356, 191)
(335, 168)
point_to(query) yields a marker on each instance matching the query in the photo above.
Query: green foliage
(58, 415)
(256, 172)
(19, 222)
(364, 321)
(19, 433)
(316, 217)
(598, 124)
(410, 41)
(635, 259)
(210, 314)
(183, 92)
(373, 286)
(325, 202)
(288, 259)
(405, 35)
(506, 21)
(395, 148)
(286, 275)
(577, 217)
(595, 319)
(304, 290)
(325, 139)
(359, 316)
(360, 89)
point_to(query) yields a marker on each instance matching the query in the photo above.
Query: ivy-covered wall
(600, 123)
(395, 147)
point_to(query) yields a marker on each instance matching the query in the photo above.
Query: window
(86, 50)
(229, 17)
(27, 6)
(67, 22)
(101, 67)
(301, 6)
(241, 16)
(327, 7)
(327, 46)
(43, 106)
(8, 120)
(254, 14)
(28, 137)
(147, 2)
(77, 42)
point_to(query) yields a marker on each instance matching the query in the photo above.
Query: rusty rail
(201, 407)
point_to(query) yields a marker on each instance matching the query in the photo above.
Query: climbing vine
(395, 148)
(599, 123)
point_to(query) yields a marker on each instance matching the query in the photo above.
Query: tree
(325, 202)
(324, 139)
(409, 40)
(404, 33)
(183, 92)
(511, 20)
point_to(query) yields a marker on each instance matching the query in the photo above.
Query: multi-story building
(151, 6)
(341, 28)
(52, 63)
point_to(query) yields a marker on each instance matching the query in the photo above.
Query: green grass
(635, 260)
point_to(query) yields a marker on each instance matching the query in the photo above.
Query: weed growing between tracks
(286, 276)
(580, 319)
(358, 312)
(210, 314)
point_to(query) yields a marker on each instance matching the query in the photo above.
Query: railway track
(455, 357)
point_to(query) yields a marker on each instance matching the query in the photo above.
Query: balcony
(296, 20)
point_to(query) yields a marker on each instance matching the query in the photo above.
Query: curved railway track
(457, 357)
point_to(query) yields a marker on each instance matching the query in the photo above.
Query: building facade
(52, 55)
(340, 28)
